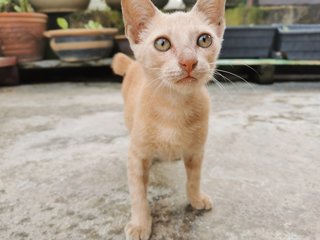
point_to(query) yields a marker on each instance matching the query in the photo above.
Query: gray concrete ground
(63, 151)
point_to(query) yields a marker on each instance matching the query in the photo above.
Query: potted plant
(59, 5)
(299, 42)
(90, 42)
(21, 30)
(248, 42)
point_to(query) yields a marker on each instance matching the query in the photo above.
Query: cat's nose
(188, 64)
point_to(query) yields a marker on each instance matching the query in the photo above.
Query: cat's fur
(167, 118)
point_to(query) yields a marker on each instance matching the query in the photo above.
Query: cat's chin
(187, 80)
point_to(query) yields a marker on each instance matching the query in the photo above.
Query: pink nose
(188, 64)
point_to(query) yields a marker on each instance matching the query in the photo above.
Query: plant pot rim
(80, 32)
(8, 61)
(252, 27)
(120, 37)
(24, 14)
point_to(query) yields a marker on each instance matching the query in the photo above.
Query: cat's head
(177, 50)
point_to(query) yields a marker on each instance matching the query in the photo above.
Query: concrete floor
(63, 151)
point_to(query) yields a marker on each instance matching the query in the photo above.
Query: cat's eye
(204, 41)
(162, 44)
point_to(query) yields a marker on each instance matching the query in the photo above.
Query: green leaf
(93, 25)
(63, 23)
(17, 8)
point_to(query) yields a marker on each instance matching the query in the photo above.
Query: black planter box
(299, 42)
(248, 42)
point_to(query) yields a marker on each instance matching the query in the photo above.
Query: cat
(167, 104)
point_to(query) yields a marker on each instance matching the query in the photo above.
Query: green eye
(162, 44)
(204, 41)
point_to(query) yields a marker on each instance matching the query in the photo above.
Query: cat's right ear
(136, 13)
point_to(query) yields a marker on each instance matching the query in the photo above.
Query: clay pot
(59, 5)
(21, 35)
(123, 45)
(8, 71)
(78, 45)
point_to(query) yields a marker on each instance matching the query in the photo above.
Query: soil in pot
(21, 35)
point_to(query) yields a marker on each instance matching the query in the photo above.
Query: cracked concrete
(63, 151)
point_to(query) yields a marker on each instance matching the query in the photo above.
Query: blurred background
(265, 39)
(63, 141)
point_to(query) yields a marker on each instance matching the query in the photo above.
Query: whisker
(226, 79)
(235, 75)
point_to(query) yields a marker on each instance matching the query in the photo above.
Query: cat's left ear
(214, 10)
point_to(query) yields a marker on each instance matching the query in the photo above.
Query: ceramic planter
(123, 45)
(21, 35)
(248, 42)
(76, 45)
(299, 42)
(59, 5)
(8, 71)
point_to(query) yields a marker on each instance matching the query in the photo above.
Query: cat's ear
(214, 10)
(136, 13)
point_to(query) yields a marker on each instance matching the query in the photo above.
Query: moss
(244, 15)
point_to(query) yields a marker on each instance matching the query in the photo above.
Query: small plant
(93, 25)
(64, 24)
(15, 6)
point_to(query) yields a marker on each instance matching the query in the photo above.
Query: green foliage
(15, 6)
(93, 25)
(244, 15)
(107, 18)
(62, 23)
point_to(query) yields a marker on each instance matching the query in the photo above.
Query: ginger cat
(166, 101)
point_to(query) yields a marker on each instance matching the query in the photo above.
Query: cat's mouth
(186, 80)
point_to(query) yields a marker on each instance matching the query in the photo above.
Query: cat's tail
(121, 63)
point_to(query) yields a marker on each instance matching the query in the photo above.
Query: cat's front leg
(198, 199)
(139, 227)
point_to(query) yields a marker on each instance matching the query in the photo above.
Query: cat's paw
(134, 232)
(201, 202)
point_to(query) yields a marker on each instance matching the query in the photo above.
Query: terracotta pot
(123, 45)
(77, 45)
(59, 5)
(8, 71)
(21, 35)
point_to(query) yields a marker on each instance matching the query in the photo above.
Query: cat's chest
(174, 133)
